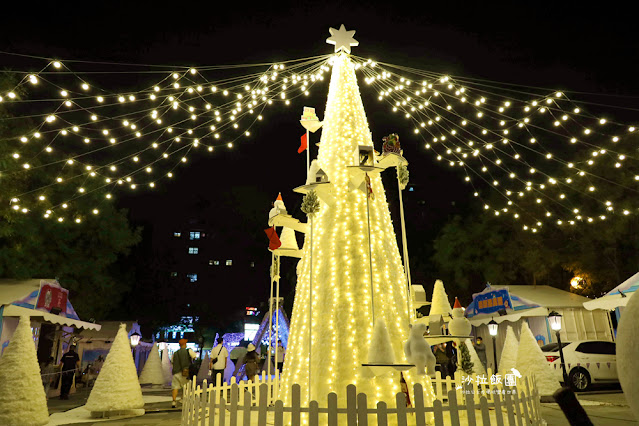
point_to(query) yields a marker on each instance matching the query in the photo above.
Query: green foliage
(310, 203)
(81, 255)
(402, 175)
(466, 364)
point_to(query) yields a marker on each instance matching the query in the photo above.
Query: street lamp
(554, 319)
(135, 339)
(492, 330)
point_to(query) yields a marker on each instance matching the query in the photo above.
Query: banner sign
(493, 301)
(52, 297)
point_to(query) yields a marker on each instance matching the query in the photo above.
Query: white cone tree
(152, 373)
(203, 372)
(508, 359)
(440, 304)
(22, 399)
(117, 387)
(167, 367)
(342, 305)
(531, 362)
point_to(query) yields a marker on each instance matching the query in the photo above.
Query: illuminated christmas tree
(343, 312)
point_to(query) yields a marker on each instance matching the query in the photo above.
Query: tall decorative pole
(310, 206)
(402, 181)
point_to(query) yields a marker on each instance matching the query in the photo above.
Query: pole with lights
(135, 340)
(555, 324)
(492, 330)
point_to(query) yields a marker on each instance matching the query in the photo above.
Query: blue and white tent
(616, 297)
(500, 304)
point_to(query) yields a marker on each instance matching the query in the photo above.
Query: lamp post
(492, 330)
(135, 340)
(555, 323)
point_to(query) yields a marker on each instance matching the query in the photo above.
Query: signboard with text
(51, 297)
(493, 301)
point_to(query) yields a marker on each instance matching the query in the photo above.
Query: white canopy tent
(617, 297)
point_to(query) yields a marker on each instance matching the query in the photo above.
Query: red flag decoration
(273, 240)
(369, 188)
(303, 144)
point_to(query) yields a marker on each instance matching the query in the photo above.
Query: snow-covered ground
(82, 415)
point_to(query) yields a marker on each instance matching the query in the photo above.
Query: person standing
(480, 348)
(70, 363)
(451, 353)
(281, 351)
(250, 361)
(442, 359)
(181, 363)
(219, 358)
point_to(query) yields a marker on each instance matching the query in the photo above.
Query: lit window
(194, 250)
(252, 264)
(177, 234)
(229, 263)
(216, 262)
(192, 277)
(411, 189)
(174, 274)
(194, 235)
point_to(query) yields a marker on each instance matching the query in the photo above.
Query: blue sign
(493, 301)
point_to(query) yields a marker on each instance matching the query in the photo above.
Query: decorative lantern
(135, 339)
(492, 327)
(555, 321)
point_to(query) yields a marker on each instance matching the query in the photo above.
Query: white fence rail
(461, 403)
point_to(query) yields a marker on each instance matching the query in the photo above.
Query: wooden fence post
(382, 419)
(509, 409)
(499, 415)
(362, 410)
(313, 413)
(295, 405)
(233, 408)
(515, 396)
(351, 405)
(470, 405)
(418, 397)
(400, 400)
(485, 413)
(279, 413)
(246, 408)
(452, 406)
(438, 414)
(222, 412)
(263, 405)
(332, 409)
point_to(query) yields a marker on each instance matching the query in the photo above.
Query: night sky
(568, 46)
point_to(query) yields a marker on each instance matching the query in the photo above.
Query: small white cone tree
(478, 367)
(531, 362)
(508, 359)
(167, 367)
(628, 353)
(203, 372)
(22, 399)
(440, 304)
(380, 350)
(117, 387)
(152, 373)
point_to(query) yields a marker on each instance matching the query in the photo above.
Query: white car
(587, 362)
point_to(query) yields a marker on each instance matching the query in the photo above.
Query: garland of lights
(487, 130)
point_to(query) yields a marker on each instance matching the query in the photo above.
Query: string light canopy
(529, 154)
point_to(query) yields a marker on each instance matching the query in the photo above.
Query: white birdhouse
(364, 156)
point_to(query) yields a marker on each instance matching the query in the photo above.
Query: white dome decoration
(117, 387)
(459, 325)
(167, 367)
(152, 373)
(22, 399)
(509, 351)
(628, 353)
(531, 362)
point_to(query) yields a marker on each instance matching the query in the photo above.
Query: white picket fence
(462, 403)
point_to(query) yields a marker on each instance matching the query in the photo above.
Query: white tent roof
(614, 297)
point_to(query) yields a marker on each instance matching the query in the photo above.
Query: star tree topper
(342, 39)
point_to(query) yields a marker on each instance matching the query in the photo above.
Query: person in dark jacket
(442, 359)
(451, 353)
(480, 348)
(181, 365)
(250, 360)
(70, 363)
